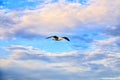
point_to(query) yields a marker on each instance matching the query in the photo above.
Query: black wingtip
(51, 37)
(66, 38)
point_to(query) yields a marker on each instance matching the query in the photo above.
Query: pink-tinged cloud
(55, 18)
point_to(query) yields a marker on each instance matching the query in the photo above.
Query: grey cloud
(31, 63)
(16, 71)
(113, 30)
(40, 74)
(29, 53)
(13, 47)
(35, 54)
(6, 21)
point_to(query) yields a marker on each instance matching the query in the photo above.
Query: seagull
(58, 38)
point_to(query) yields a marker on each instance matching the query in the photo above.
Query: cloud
(111, 78)
(107, 63)
(39, 70)
(64, 18)
(104, 51)
(7, 23)
(117, 55)
(27, 53)
(19, 47)
(109, 41)
(99, 57)
(113, 30)
(26, 61)
(57, 18)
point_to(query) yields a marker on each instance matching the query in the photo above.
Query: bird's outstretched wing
(51, 37)
(66, 38)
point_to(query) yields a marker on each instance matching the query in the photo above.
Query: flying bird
(58, 38)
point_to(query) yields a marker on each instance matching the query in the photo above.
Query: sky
(93, 52)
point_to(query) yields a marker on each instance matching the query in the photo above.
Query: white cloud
(106, 62)
(32, 61)
(115, 55)
(111, 78)
(108, 41)
(38, 69)
(108, 45)
(39, 65)
(67, 61)
(18, 47)
(56, 17)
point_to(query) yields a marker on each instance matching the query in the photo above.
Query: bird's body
(58, 38)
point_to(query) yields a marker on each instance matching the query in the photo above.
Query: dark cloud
(1, 75)
(17, 72)
(39, 74)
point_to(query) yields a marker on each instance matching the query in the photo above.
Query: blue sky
(91, 25)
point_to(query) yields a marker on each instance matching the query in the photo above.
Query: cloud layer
(58, 17)
(26, 61)
(93, 25)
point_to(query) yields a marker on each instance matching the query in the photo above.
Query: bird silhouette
(58, 38)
